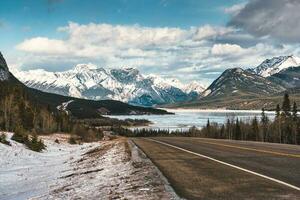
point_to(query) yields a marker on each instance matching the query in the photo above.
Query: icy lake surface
(184, 119)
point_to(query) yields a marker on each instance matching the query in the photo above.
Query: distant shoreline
(212, 110)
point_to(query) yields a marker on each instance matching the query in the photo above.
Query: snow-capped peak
(194, 86)
(85, 67)
(123, 84)
(166, 82)
(275, 65)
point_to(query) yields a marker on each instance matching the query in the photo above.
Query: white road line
(227, 164)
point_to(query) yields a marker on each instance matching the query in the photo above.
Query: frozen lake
(184, 119)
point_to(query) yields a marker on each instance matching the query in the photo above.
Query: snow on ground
(25, 173)
(106, 170)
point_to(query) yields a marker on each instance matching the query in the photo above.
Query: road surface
(201, 168)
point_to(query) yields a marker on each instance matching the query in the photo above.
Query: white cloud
(118, 45)
(193, 53)
(43, 45)
(226, 49)
(94, 40)
(123, 36)
(235, 9)
(208, 31)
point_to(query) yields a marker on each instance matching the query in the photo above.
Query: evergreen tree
(298, 132)
(295, 111)
(264, 121)
(295, 123)
(286, 128)
(208, 128)
(286, 105)
(238, 131)
(254, 135)
(277, 112)
(222, 132)
(228, 129)
(277, 125)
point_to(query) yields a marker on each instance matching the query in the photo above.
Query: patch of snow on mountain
(275, 65)
(64, 106)
(207, 92)
(123, 84)
(3, 75)
(194, 86)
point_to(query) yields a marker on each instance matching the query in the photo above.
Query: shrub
(35, 144)
(20, 136)
(86, 134)
(99, 134)
(3, 139)
(72, 140)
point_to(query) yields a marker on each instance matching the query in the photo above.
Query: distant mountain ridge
(254, 88)
(78, 108)
(127, 85)
(274, 65)
(236, 82)
(272, 77)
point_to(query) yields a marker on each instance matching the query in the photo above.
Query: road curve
(226, 169)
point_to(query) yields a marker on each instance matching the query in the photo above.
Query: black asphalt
(256, 156)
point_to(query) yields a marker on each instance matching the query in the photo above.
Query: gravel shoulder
(114, 169)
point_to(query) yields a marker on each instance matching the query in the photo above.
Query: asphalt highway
(199, 168)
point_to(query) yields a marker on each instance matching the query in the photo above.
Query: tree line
(27, 119)
(285, 128)
(17, 111)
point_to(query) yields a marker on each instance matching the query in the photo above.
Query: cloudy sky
(186, 39)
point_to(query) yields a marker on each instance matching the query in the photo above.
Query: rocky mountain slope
(289, 78)
(274, 65)
(4, 74)
(272, 77)
(79, 108)
(262, 86)
(127, 85)
(237, 82)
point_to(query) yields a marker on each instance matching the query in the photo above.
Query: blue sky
(28, 18)
(199, 38)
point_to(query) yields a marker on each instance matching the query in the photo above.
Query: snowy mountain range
(127, 85)
(254, 88)
(274, 65)
(11, 88)
(272, 76)
(87, 81)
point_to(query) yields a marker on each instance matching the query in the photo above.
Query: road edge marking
(249, 149)
(167, 183)
(227, 164)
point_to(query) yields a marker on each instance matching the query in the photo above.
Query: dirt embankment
(115, 169)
